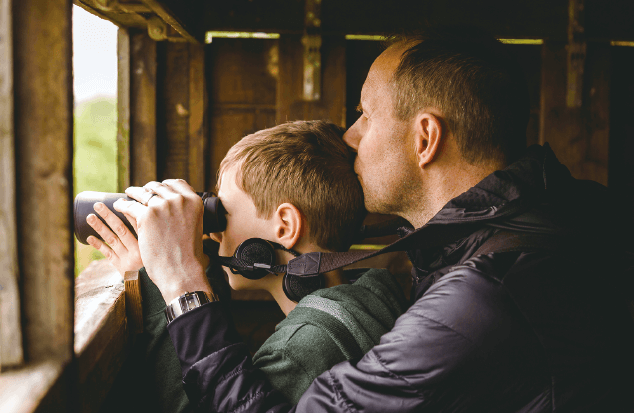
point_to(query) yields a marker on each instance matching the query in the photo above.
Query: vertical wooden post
(142, 108)
(197, 114)
(290, 105)
(44, 145)
(182, 113)
(11, 353)
(578, 135)
(123, 109)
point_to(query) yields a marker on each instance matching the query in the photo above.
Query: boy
(293, 185)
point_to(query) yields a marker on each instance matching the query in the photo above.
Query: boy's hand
(123, 248)
(169, 226)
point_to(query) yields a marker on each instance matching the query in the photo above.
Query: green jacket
(326, 327)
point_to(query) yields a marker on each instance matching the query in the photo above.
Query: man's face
(385, 161)
(242, 224)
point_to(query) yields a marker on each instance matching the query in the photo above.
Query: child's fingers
(102, 247)
(119, 228)
(106, 234)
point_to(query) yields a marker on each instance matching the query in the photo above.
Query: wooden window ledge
(102, 339)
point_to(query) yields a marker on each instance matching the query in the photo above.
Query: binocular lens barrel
(214, 219)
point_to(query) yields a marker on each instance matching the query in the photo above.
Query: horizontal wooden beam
(543, 19)
(180, 21)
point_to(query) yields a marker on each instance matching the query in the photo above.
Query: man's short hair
(473, 80)
(307, 164)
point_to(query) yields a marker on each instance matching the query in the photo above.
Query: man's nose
(352, 136)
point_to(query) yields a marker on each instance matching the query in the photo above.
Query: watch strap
(187, 302)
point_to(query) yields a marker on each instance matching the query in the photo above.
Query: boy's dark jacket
(540, 330)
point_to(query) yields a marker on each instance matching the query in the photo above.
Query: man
(518, 304)
(292, 185)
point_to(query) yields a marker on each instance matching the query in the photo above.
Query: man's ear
(428, 130)
(289, 224)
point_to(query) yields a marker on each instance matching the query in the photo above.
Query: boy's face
(242, 224)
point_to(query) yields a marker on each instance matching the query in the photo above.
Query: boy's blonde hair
(307, 164)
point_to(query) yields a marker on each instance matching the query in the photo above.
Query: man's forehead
(381, 72)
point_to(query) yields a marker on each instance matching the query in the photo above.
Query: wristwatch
(187, 302)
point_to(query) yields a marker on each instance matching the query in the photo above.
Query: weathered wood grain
(142, 108)
(11, 353)
(332, 105)
(197, 115)
(123, 109)
(579, 136)
(44, 145)
(102, 338)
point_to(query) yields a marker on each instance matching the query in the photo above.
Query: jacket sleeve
(294, 356)
(408, 371)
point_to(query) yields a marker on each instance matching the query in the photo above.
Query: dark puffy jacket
(520, 331)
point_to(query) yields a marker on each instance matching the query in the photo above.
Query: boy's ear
(289, 223)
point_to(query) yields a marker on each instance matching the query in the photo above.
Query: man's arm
(416, 356)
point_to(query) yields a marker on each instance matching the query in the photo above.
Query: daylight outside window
(95, 90)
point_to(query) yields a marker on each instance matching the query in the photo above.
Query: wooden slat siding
(242, 76)
(142, 108)
(123, 109)
(578, 136)
(197, 113)
(11, 353)
(44, 145)
(332, 105)
(102, 338)
(173, 114)
(621, 174)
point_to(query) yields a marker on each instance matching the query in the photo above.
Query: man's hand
(169, 225)
(123, 248)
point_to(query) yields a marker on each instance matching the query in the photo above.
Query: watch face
(192, 301)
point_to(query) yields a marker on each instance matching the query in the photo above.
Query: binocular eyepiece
(214, 219)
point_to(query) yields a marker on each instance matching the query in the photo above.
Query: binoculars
(214, 219)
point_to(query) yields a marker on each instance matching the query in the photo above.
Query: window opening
(95, 112)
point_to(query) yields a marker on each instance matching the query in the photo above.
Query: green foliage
(95, 158)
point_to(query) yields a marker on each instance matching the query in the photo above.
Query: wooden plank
(517, 19)
(11, 353)
(173, 111)
(44, 145)
(290, 105)
(197, 114)
(123, 109)
(102, 337)
(579, 136)
(243, 77)
(142, 108)
(183, 21)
